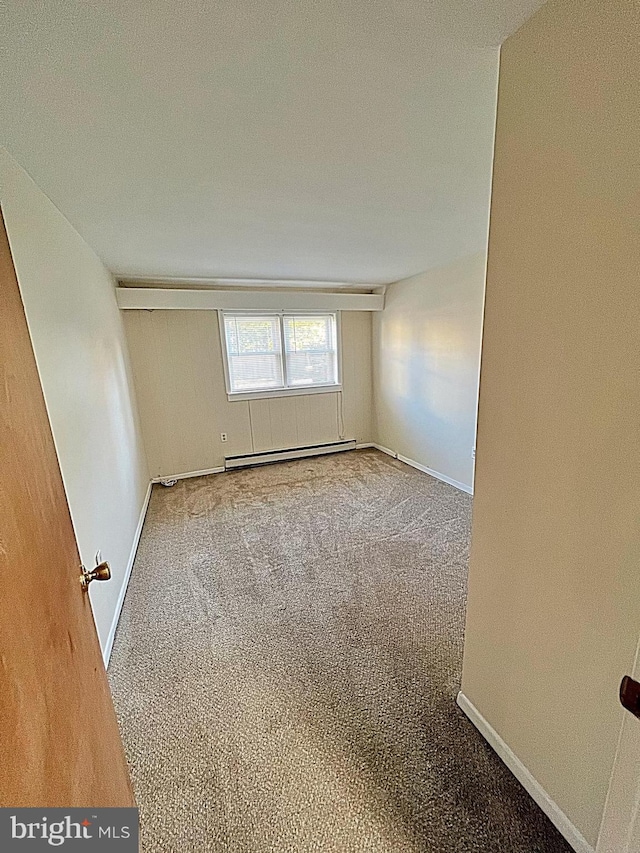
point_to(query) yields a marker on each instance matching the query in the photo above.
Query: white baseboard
(385, 450)
(455, 483)
(108, 646)
(365, 445)
(188, 474)
(555, 814)
(106, 652)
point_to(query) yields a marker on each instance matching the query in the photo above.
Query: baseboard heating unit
(266, 456)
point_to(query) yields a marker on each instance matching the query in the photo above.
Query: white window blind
(280, 352)
(310, 349)
(254, 353)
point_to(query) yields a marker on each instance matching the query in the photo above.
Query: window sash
(299, 354)
(254, 355)
(289, 355)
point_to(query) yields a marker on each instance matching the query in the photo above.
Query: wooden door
(620, 830)
(59, 740)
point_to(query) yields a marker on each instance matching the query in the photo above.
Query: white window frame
(299, 390)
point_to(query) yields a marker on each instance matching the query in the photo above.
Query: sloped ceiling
(334, 140)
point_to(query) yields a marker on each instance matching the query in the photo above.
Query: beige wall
(178, 370)
(553, 612)
(426, 348)
(81, 352)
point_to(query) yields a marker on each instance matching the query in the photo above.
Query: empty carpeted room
(319, 349)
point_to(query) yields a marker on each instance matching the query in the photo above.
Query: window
(270, 354)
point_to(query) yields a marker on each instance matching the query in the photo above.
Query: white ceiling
(340, 140)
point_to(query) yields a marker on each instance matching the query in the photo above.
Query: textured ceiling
(333, 140)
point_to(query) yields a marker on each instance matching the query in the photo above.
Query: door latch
(102, 572)
(630, 695)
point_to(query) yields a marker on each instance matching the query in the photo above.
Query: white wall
(177, 364)
(554, 584)
(81, 352)
(426, 348)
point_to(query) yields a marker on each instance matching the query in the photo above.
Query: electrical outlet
(223, 436)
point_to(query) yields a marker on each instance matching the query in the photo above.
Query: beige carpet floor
(287, 662)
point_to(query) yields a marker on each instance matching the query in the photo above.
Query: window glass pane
(310, 349)
(253, 352)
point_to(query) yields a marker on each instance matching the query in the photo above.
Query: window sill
(284, 392)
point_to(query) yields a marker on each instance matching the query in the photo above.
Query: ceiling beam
(251, 283)
(150, 298)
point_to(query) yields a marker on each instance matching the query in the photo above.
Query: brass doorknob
(102, 572)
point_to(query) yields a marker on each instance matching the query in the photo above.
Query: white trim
(552, 810)
(484, 284)
(620, 825)
(455, 483)
(283, 351)
(365, 446)
(337, 337)
(292, 453)
(225, 357)
(386, 450)
(285, 392)
(108, 646)
(187, 474)
(150, 298)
